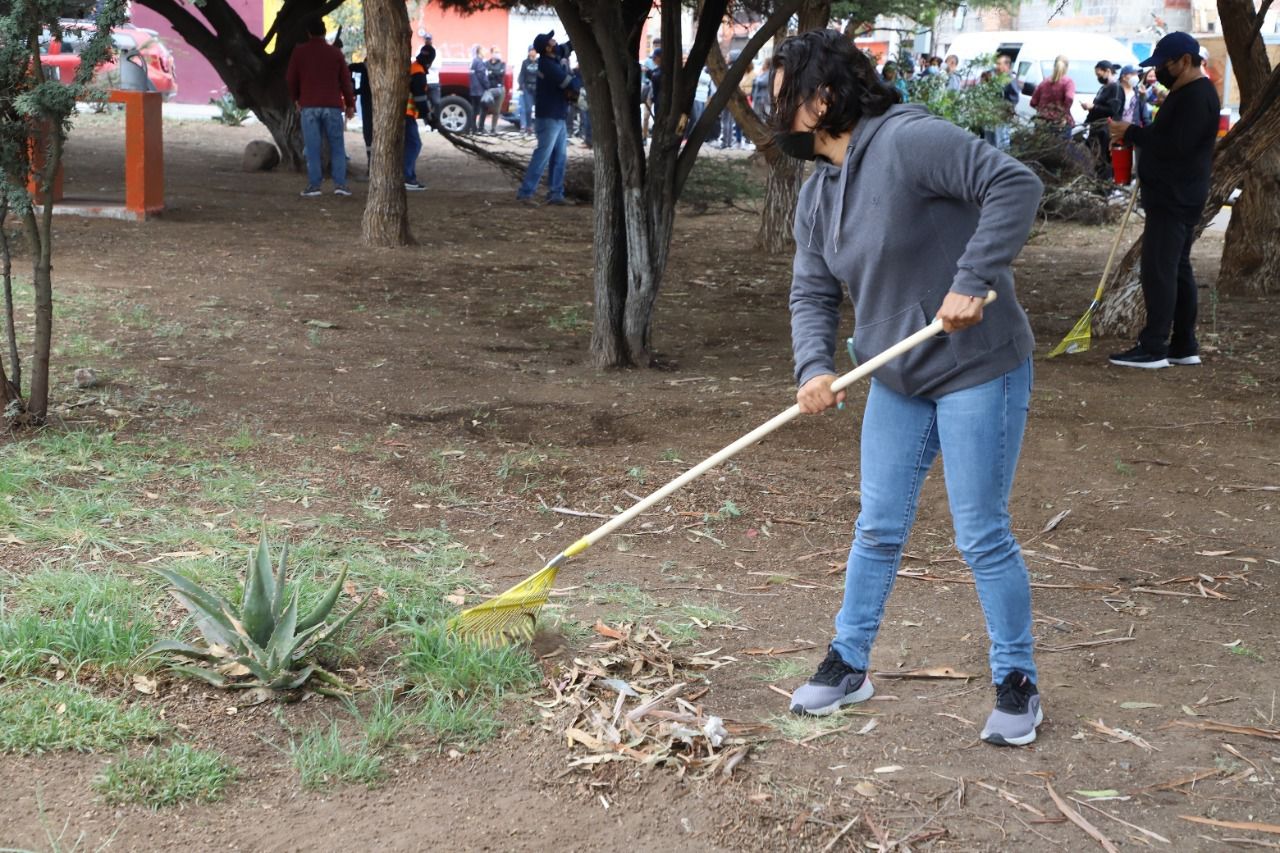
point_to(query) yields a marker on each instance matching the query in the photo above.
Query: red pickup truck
(455, 87)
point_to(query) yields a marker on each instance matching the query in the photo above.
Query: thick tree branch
(1260, 19)
(192, 29)
(776, 21)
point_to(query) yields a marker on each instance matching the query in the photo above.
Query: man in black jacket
(1175, 156)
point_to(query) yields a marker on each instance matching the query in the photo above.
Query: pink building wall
(197, 81)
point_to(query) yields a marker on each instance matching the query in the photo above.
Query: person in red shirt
(320, 84)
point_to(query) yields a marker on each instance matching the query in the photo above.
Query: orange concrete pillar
(143, 152)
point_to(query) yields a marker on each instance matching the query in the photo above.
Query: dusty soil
(476, 341)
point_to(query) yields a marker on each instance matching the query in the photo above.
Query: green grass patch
(102, 638)
(793, 727)
(322, 759)
(166, 777)
(39, 717)
(625, 602)
(435, 662)
(782, 669)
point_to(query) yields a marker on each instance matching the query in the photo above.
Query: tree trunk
(781, 194)
(1255, 136)
(14, 379)
(386, 212)
(254, 77)
(636, 191)
(1251, 254)
(42, 284)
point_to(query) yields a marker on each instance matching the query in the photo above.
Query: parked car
(60, 57)
(455, 87)
(1033, 53)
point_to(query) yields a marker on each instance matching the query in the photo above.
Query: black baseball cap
(1107, 64)
(540, 41)
(1171, 47)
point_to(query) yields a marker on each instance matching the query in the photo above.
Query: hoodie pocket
(914, 369)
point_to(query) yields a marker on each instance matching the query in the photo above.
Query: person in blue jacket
(963, 394)
(555, 92)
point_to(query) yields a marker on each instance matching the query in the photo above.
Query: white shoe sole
(1188, 361)
(862, 694)
(1000, 740)
(1145, 365)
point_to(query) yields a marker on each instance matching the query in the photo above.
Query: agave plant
(263, 642)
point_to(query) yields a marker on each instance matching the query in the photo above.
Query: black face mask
(797, 144)
(1165, 77)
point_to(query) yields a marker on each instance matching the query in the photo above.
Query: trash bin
(133, 71)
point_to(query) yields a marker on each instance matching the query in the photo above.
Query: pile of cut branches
(632, 698)
(1072, 190)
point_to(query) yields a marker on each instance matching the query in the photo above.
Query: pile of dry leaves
(631, 698)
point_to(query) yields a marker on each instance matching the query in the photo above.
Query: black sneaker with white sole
(1017, 712)
(1186, 359)
(833, 686)
(1139, 357)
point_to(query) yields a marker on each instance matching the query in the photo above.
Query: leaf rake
(1081, 334)
(512, 615)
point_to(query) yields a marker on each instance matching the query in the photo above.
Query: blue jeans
(526, 110)
(979, 431)
(553, 148)
(324, 123)
(412, 148)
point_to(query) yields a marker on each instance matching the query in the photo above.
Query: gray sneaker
(833, 686)
(1017, 712)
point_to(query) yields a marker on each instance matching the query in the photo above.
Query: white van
(1033, 53)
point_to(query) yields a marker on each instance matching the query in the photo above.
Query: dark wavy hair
(826, 63)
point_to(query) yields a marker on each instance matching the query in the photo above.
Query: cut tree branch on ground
(1076, 818)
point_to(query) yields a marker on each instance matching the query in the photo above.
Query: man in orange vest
(418, 106)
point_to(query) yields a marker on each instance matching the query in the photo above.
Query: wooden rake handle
(755, 435)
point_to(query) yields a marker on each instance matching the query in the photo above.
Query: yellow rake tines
(511, 615)
(1079, 338)
(1081, 334)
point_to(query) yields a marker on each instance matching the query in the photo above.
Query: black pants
(477, 114)
(1168, 284)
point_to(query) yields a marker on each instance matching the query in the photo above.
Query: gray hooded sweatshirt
(919, 207)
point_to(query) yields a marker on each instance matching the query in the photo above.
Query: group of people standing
(488, 89)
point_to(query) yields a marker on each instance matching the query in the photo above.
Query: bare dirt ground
(1155, 595)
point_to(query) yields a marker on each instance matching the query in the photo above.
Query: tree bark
(1256, 135)
(637, 190)
(782, 186)
(254, 77)
(386, 211)
(1251, 253)
(14, 379)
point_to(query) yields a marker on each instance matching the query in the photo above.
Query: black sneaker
(1139, 357)
(414, 186)
(342, 189)
(1185, 358)
(310, 192)
(1017, 712)
(833, 686)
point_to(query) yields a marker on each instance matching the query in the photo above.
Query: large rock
(260, 156)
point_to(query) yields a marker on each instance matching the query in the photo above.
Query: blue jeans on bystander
(324, 123)
(412, 148)
(552, 150)
(526, 111)
(979, 432)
